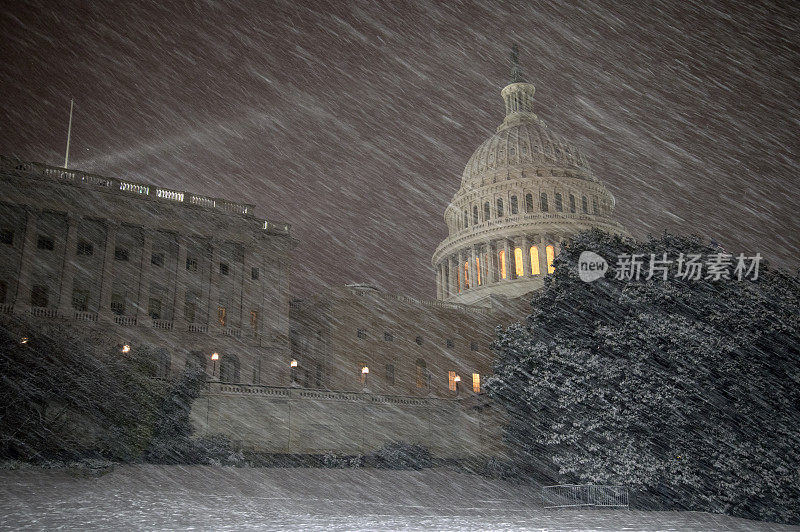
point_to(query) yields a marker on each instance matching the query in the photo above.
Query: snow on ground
(172, 497)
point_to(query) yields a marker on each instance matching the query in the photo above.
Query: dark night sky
(354, 122)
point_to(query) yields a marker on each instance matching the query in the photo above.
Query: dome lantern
(518, 94)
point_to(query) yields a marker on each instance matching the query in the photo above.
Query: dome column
(507, 256)
(473, 270)
(526, 256)
(543, 255)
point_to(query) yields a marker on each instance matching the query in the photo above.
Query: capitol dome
(523, 191)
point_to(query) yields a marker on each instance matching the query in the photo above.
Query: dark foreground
(198, 497)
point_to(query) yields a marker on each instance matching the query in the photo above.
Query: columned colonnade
(495, 261)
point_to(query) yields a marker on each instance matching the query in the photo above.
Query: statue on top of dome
(516, 71)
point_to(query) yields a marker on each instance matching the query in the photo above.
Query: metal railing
(573, 495)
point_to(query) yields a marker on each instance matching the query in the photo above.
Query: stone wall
(303, 421)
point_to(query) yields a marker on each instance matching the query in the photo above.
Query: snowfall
(151, 497)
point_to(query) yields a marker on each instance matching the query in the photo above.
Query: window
(528, 202)
(154, 308)
(229, 368)
(421, 373)
(543, 201)
(474, 215)
(387, 337)
(486, 212)
(157, 259)
(121, 253)
(7, 237)
(559, 206)
(466, 219)
(594, 205)
(118, 303)
(254, 319)
(451, 380)
(499, 207)
(318, 375)
(222, 315)
(502, 260)
(450, 342)
(476, 382)
(535, 261)
(418, 339)
(223, 268)
(39, 295)
(191, 264)
(80, 300)
(473, 346)
(571, 203)
(514, 206)
(584, 205)
(45, 242)
(189, 311)
(550, 251)
(362, 334)
(254, 274)
(519, 267)
(390, 373)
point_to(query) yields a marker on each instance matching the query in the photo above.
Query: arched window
(594, 205)
(543, 201)
(571, 203)
(502, 259)
(466, 219)
(474, 215)
(229, 368)
(421, 373)
(518, 266)
(559, 206)
(499, 207)
(486, 212)
(584, 205)
(528, 202)
(535, 261)
(551, 253)
(514, 206)
(466, 275)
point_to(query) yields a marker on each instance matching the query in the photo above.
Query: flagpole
(69, 132)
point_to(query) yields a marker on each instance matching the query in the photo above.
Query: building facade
(132, 262)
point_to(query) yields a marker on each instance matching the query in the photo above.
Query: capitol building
(205, 282)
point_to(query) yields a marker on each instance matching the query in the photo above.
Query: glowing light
(214, 356)
(293, 363)
(365, 370)
(478, 269)
(457, 378)
(502, 256)
(23, 340)
(476, 382)
(518, 260)
(466, 275)
(551, 253)
(535, 261)
(126, 348)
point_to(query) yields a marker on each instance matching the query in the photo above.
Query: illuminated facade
(523, 191)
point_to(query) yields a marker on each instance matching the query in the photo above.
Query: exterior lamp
(456, 380)
(365, 370)
(293, 372)
(126, 348)
(364, 374)
(214, 358)
(293, 363)
(23, 340)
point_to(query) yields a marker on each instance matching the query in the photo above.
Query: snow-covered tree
(684, 389)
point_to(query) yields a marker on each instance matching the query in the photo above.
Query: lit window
(221, 315)
(223, 268)
(85, 248)
(502, 256)
(121, 254)
(535, 261)
(45, 242)
(476, 382)
(157, 259)
(421, 373)
(254, 319)
(478, 269)
(519, 267)
(451, 379)
(191, 264)
(466, 275)
(551, 252)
